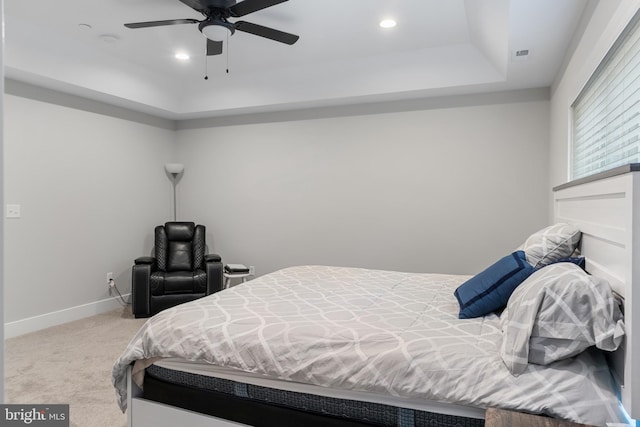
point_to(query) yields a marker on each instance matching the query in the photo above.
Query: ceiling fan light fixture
(216, 32)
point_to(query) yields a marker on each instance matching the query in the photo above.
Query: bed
(322, 345)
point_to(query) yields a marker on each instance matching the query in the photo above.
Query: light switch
(13, 211)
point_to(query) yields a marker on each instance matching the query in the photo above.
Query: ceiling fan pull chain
(206, 64)
(228, 46)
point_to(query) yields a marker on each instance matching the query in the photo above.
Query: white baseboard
(43, 321)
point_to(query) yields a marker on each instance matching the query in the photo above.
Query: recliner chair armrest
(145, 260)
(212, 258)
(140, 291)
(213, 267)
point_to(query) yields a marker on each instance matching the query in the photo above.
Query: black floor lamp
(174, 169)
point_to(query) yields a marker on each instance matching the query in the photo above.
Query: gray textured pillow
(558, 312)
(551, 244)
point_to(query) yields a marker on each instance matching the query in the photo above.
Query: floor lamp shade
(174, 168)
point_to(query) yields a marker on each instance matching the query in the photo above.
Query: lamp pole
(175, 176)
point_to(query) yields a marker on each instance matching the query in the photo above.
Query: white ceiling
(439, 47)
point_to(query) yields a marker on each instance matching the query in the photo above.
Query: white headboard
(606, 208)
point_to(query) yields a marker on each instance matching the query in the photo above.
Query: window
(606, 114)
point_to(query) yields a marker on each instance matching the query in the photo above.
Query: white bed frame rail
(606, 208)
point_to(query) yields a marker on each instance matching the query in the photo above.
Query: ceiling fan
(216, 26)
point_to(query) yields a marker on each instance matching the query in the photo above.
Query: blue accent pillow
(490, 290)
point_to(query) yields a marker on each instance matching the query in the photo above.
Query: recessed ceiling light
(109, 38)
(85, 26)
(182, 56)
(387, 23)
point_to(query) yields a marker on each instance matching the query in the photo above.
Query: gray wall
(434, 190)
(90, 185)
(447, 185)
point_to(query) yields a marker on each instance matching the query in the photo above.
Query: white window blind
(606, 114)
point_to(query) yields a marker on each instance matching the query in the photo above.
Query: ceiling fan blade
(161, 23)
(270, 33)
(248, 6)
(214, 47)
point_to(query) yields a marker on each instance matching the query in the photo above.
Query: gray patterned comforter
(381, 332)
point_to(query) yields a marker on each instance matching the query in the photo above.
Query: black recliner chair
(179, 272)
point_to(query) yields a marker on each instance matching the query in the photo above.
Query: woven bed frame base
(267, 407)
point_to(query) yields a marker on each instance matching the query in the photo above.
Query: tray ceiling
(439, 47)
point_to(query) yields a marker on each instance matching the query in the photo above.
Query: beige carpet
(71, 364)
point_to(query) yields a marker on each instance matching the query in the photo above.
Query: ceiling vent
(520, 55)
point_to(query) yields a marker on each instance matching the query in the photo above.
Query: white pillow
(551, 244)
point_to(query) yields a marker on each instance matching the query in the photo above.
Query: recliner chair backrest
(180, 246)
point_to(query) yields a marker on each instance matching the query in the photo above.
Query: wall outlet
(252, 270)
(109, 277)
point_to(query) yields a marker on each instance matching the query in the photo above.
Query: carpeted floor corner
(71, 364)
